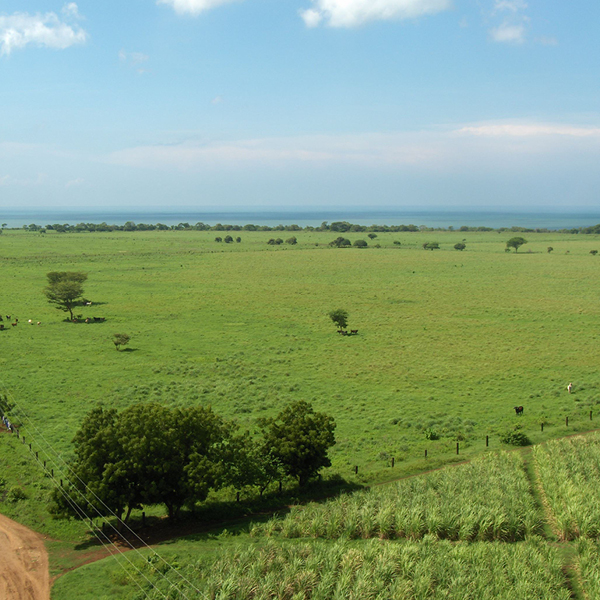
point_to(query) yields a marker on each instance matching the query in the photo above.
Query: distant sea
(432, 218)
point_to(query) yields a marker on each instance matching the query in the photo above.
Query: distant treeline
(337, 226)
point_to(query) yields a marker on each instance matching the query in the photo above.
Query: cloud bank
(352, 13)
(193, 7)
(43, 30)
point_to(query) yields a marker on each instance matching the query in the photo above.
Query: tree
(292, 241)
(340, 242)
(431, 246)
(550, 249)
(360, 244)
(593, 252)
(238, 239)
(460, 246)
(340, 317)
(218, 239)
(65, 289)
(299, 438)
(120, 339)
(148, 454)
(516, 243)
(372, 236)
(228, 239)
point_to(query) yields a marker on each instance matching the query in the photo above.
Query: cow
(569, 387)
(88, 303)
(519, 410)
(353, 331)
(15, 324)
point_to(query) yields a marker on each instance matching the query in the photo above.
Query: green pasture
(449, 342)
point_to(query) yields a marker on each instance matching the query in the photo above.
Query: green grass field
(448, 341)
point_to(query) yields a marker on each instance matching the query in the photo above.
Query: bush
(15, 494)
(397, 243)
(360, 244)
(593, 252)
(292, 241)
(515, 437)
(431, 246)
(238, 239)
(218, 239)
(431, 434)
(340, 242)
(228, 239)
(460, 246)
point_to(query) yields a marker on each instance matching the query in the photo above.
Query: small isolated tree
(218, 239)
(340, 317)
(298, 438)
(120, 339)
(593, 252)
(397, 243)
(65, 289)
(360, 244)
(516, 243)
(431, 246)
(372, 236)
(228, 239)
(292, 241)
(238, 239)
(460, 246)
(340, 242)
(550, 249)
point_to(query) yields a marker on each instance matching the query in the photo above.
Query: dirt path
(23, 563)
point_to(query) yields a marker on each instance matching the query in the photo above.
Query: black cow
(519, 410)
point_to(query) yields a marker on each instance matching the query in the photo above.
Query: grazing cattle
(39, 322)
(1, 326)
(88, 303)
(30, 321)
(353, 331)
(88, 320)
(8, 317)
(569, 388)
(99, 319)
(519, 410)
(14, 324)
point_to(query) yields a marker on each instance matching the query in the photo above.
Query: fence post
(237, 497)
(143, 519)
(425, 452)
(487, 441)
(542, 425)
(456, 447)
(567, 421)
(356, 470)
(590, 415)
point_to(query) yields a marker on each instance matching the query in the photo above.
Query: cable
(172, 584)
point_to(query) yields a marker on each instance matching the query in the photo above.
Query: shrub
(340, 242)
(431, 246)
(431, 434)
(460, 246)
(292, 241)
(218, 239)
(15, 494)
(397, 243)
(372, 236)
(228, 239)
(360, 244)
(550, 249)
(515, 437)
(593, 252)
(238, 239)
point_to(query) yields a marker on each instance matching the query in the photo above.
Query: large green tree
(65, 289)
(299, 438)
(148, 454)
(340, 317)
(516, 243)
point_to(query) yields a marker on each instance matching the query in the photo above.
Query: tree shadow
(129, 350)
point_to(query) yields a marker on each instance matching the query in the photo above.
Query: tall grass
(486, 499)
(380, 570)
(569, 472)
(588, 563)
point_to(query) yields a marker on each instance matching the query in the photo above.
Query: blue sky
(287, 104)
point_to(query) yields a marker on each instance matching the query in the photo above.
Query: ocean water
(430, 218)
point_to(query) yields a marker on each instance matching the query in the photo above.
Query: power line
(79, 510)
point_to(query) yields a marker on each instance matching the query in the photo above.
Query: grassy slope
(448, 340)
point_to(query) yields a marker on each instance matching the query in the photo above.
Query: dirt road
(23, 563)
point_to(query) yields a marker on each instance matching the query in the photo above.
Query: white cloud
(508, 33)
(547, 41)
(71, 10)
(193, 7)
(352, 13)
(132, 58)
(529, 130)
(74, 183)
(22, 29)
(510, 5)
(432, 150)
(217, 100)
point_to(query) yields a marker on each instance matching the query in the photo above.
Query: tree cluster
(150, 454)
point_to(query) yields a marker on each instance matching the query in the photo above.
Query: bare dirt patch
(24, 571)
